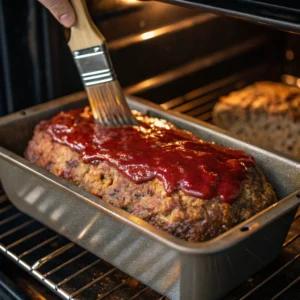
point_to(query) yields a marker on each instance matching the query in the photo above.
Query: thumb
(62, 10)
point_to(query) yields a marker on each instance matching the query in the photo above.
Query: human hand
(62, 10)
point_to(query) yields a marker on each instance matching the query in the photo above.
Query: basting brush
(92, 59)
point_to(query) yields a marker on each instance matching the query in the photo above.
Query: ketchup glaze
(155, 149)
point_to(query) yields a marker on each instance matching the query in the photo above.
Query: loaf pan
(172, 267)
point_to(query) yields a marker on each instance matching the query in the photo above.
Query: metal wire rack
(65, 268)
(198, 103)
(74, 273)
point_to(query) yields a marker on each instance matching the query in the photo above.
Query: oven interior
(180, 58)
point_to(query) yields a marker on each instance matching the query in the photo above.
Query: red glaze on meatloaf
(168, 177)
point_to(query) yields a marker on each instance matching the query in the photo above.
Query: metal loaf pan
(173, 267)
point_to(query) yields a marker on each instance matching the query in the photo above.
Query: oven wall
(160, 51)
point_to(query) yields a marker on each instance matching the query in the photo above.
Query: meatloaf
(194, 213)
(265, 113)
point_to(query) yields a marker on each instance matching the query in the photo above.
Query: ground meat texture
(186, 217)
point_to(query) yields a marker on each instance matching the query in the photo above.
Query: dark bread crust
(183, 216)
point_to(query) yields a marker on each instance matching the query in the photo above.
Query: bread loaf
(265, 113)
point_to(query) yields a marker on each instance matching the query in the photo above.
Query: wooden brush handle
(84, 34)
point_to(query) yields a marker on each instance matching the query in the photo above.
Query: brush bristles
(109, 105)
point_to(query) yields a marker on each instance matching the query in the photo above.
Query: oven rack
(74, 273)
(199, 102)
(65, 268)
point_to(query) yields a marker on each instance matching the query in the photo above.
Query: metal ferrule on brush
(94, 65)
(104, 92)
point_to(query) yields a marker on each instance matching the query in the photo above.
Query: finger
(62, 10)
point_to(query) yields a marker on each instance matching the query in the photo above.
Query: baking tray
(172, 267)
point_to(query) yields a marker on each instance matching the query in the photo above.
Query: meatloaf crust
(186, 217)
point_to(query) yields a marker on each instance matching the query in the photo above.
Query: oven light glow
(289, 55)
(289, 79)
(130, 1)
(148, 35)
